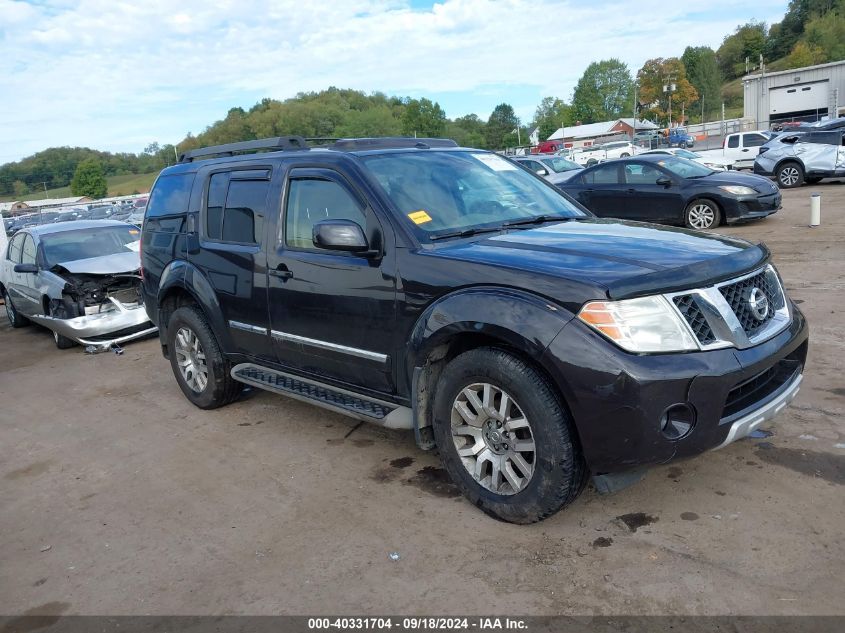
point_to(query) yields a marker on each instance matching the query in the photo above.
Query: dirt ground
(117, 496)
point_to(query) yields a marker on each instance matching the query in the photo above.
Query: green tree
(423, 117)
(604, 92)
(748, 41)
(703, 72)
(501, 126)
(88, 180)
(804, 54)
(551, 114)
(20, 188)
(467, 131)
(654, 76)
(825, 34)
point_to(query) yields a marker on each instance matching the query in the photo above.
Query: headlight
(738, 190)
(647, 324)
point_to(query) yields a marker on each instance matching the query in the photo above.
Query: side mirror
(26, 268)
(340, 235)
(663, 181)
(542, 171)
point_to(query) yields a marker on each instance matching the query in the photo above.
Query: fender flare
(183, 276)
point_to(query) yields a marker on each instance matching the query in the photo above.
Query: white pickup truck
(740, 147)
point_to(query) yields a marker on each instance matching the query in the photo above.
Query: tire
(62, 342)
(812, 180)
(207, 383)
(702, 214)
(624, 155)
(592, 162)
(556, 472)
(682, 144)
(790, 175)
(16, 320)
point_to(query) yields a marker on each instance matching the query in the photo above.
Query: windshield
(685, 153)
(455, 191)
(685, 168)
(560, 165)
(69, 246)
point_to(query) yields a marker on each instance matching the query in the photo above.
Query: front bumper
(120, 324)
(619, 401)
(743, 208)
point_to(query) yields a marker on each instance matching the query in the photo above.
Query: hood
(127, 262)
(623, 259)
(760, 183)
(562, 176)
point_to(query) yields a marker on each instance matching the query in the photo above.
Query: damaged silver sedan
(80, 279)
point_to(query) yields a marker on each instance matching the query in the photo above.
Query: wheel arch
(713, 200)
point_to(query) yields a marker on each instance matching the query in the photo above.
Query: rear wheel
(15, 318)
(701, 215)
(504, 437)
(198, 363)
(790, 175)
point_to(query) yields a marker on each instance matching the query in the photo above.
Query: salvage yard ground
(119, 497)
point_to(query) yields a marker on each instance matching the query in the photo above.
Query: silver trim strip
(748, 423)
(332, 347)
(246, 327)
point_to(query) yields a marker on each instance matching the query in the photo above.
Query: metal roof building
(601, 129)
(805, 94)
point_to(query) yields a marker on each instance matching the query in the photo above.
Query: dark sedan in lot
(671, 190)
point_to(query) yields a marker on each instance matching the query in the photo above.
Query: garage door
(800, 98)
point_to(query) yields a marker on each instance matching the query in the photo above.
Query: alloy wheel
(702, 216)
(190, 357)
(493, 438)
(789, 176)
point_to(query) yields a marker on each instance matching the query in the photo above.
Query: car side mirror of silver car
(542, 171)
(26, 268)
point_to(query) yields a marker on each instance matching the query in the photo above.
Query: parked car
(587, 156)
(418, 285)
(677, 137)
(740, 147)
(671, 190)
(100, 212)
(555, 169)
(67, 216)
(79, 279)
(798, 157)
(715, 163)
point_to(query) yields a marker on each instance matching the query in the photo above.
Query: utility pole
(669, 88)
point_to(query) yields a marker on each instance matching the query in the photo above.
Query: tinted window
(216, 201)
(824, 138)
(170, 196)
(733, 141)
(245, 200)
(15, 248)
(605, 175)
(754, 140)
(28, 253)
(310, 201)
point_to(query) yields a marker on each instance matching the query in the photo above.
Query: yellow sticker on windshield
(133, 232)
(419, 217)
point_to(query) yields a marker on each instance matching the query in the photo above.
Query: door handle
(632, 190)
(281, 271)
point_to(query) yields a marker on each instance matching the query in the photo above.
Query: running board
(381, 412)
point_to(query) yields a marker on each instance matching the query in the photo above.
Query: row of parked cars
(128, 211)
(532, 343)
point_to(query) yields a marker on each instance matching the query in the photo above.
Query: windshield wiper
(466, 232)
(539, 219)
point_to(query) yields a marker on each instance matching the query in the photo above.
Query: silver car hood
(129, 261)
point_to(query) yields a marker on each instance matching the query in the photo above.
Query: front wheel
(62, 342)
(505, 438)
(198, 363)
(701, 215)
(790, 175)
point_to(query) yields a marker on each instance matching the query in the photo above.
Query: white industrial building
(800, 94)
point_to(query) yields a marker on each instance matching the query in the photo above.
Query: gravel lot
(119, 497)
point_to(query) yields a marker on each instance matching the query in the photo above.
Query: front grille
(737, 295)
(691, 311)
(758, 388)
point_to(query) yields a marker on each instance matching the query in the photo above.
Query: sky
(118, 75)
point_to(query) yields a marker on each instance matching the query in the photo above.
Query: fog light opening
(677, 421)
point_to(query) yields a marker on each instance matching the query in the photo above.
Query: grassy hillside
(118, 186)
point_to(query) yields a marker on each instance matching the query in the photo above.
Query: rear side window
(170, 196)
(607, 175)
(822, 138)
(754, 140)
(236, 200)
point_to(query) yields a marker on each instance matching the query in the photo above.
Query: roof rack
(278, 143)
(391, 142)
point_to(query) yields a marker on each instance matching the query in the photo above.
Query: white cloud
(118, 74)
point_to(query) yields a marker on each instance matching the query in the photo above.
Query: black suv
(419, 285)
